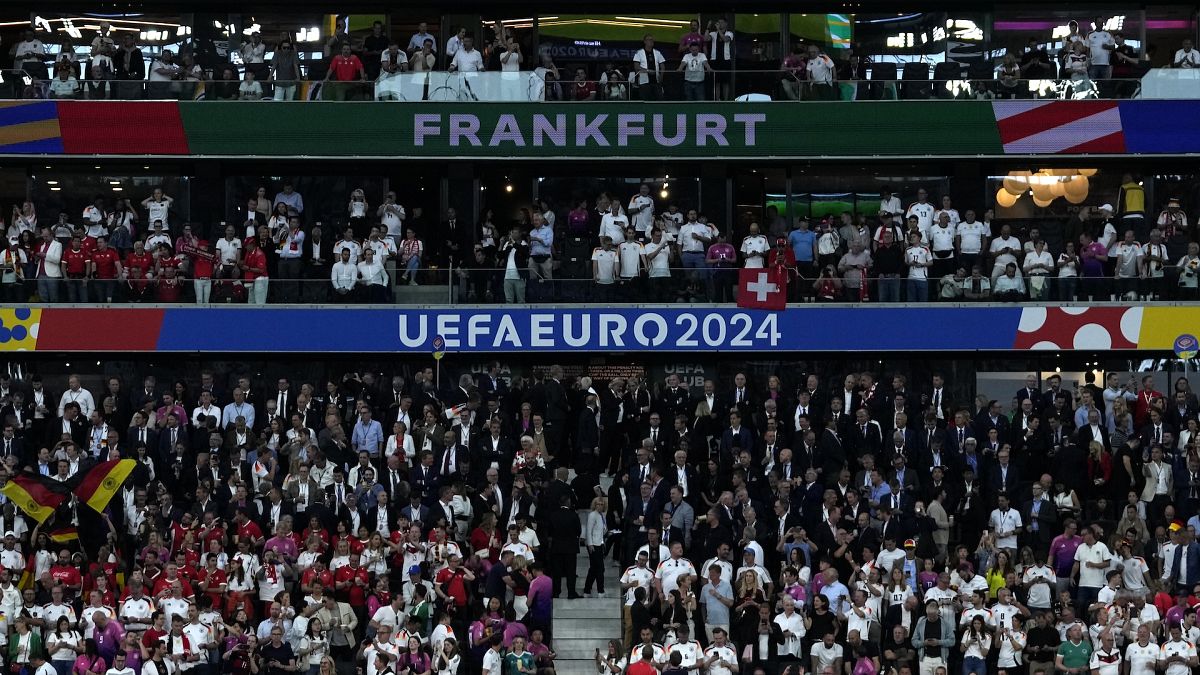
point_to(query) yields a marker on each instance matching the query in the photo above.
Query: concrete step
(597, 605)
(574, 667)
(567, 609)
(579, 648)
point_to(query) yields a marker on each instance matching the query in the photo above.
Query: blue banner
(634, 329)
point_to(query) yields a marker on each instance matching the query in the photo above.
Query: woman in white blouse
(594, 536)
(401, 440)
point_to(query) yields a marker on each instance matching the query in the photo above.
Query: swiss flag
(762, 288)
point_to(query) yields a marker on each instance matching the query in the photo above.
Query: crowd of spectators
(877, 526)
(608, 250)
(859, 524)
(370, 66)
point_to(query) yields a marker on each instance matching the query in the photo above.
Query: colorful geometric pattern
(19, 328)
(286, 330)
(1082, 328)
(29, 128)
(1059, 127)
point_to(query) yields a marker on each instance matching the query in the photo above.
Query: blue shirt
(294, 201)
(546, 234)
(802, 244)
(367, 437)
(716, 611)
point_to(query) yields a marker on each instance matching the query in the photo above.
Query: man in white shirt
(1128, 266)
(417, 41)
(919, 260)
(656, 256)
(754, 249)
(641, 211)
(1100, 45)
(1186, 56)
(1004, 250)
(455, 43)
(76, 394)
(694, 66)
(720, 655)
(30, 55)
(630, 254)
(821, 72)
(613, 224)
(1177, 655)
(924, 211)
(972, 238)
(791, 627)
(648, 68)
(605, 260)
(467, 59)
(372, 278)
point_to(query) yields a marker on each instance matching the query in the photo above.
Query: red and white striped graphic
(1059, 127)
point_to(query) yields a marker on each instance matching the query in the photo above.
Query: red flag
(762, 288)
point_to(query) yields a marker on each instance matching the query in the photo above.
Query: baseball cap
(909, 543)
(1106, 207)
(10, 533)
(415, 569)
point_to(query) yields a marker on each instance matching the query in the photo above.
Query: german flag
(102, 481)
(35, 495)
(65, 534)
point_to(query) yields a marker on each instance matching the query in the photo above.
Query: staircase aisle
(583, 626)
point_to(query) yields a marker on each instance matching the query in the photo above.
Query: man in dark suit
(490, 382)
(657, 433)
(959, 431)
(866, 435)
(423, 478)
(639, 514)
(740, 398)
(614, 408)
(557, 410)
(1092, 431)
(992, 418)
(1056, 389)
(70, 425)
(1030, 392)
(317, 260)
(414, 511)
(1041, 519)
(1156, 430)
(736, 438)
(335, 494)
(674, 400)
(493, 447)
(170, 436)
(587, 436)
(10, 445)
(564, 546)
(454, 244)
(19, 412)
(1002, 477)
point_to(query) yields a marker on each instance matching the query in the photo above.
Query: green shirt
(525, 659)
(1075, 656)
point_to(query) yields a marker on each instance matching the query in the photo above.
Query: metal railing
(572, 282)
(535, 85)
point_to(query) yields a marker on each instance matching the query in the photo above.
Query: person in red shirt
(254, 271)
(167, 289)
(317, 575)
(106, 267)
(247, 530)
(138, 270)
(67, 574)
(451, 582)
(643, 667)
(213, 581)
(76, 264)
(203, 259)
(351, 583)
(583, 89)
(343, 68)
(169, 576)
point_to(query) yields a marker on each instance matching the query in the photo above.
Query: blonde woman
(595, 535)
